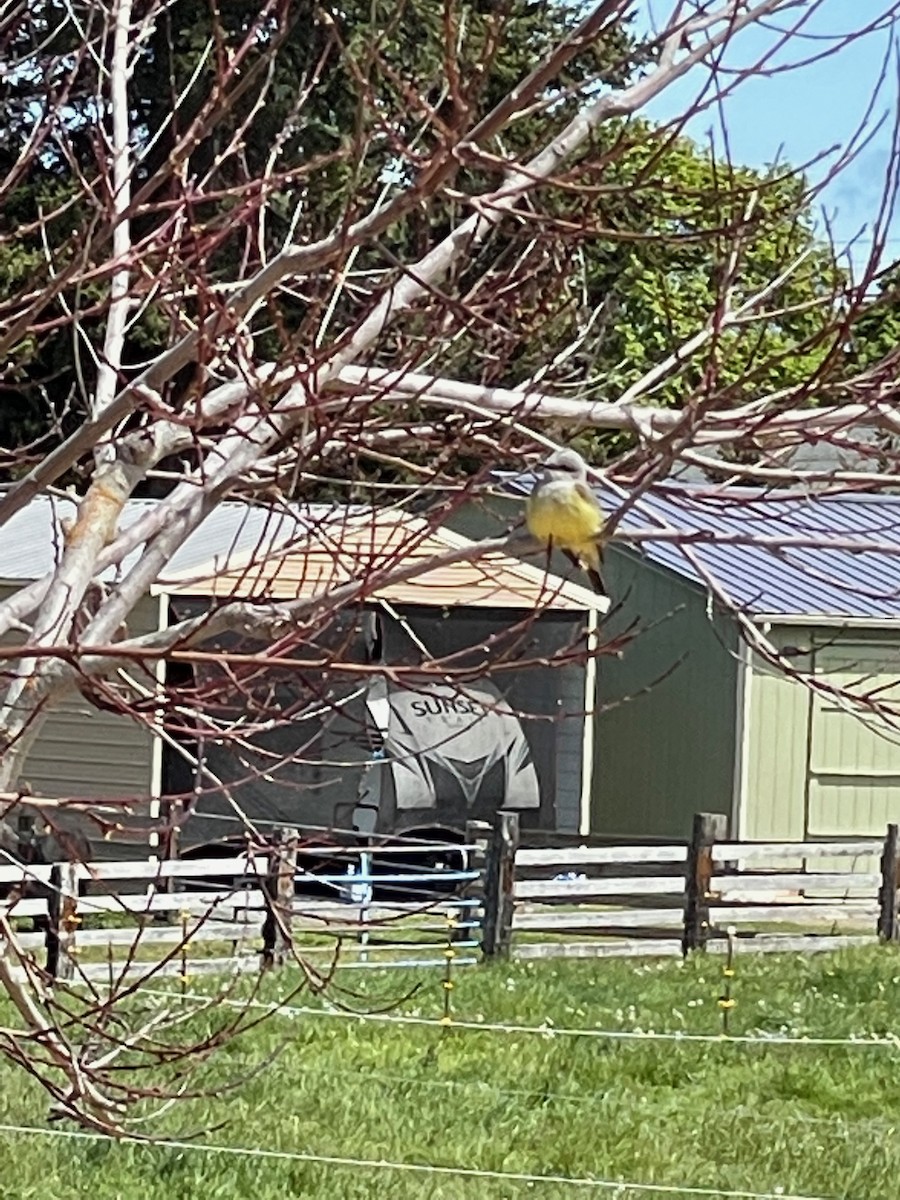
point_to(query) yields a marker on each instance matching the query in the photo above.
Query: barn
(690, 718)
(696, 720)
(521, 740)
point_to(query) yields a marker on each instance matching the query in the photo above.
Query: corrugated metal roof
(31, 542)
(828, 580)
(358, 547)
(299, 551)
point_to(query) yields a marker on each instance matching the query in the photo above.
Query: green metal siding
(84, 751)
(665, 732)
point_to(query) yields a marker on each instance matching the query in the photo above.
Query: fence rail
(489, 897)
(117, 921)
(601, 901)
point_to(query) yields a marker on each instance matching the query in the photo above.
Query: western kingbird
(563, 512)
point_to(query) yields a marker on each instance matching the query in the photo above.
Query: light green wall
(790, 727)
(665, 734)
(855, 756)
(85, 751)
(818, 764)
(774, 753)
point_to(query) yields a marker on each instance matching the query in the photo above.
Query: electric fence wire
(620, 1187)
(884, 1041)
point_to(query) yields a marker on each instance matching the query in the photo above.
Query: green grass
(812, 1121)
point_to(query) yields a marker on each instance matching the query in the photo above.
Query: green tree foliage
(327, 107)
(688, 233)
(656, 239)
(874, 342)
(326, 104)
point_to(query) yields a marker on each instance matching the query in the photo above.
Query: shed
(303, 551)
(691, 719)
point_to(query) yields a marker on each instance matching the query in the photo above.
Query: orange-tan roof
(369, 548)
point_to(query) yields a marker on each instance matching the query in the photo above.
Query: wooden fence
(115, 921)
(613, 900)
(422, 904)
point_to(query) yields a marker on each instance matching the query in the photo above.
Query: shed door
(854, 762)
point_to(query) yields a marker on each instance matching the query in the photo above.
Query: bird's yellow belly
(562, 517)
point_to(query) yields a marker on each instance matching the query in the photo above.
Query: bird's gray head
(565, 464)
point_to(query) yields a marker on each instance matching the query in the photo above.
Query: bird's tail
(588, 558)
(596, 580)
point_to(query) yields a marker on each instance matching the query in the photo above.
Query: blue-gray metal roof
(829, 579)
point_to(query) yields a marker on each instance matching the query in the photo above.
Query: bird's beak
(517, 482)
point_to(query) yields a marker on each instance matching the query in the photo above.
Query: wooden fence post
(278, 888)
(477, 836)
(62, 908)
(707, 829)
(499, 883)
(888, 925)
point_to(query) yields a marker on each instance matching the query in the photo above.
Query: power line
(620, 1186)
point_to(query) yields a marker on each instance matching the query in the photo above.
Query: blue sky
(797, 114)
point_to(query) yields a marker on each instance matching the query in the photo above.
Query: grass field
(818, 1121)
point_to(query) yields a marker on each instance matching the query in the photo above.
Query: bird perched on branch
(563, 513)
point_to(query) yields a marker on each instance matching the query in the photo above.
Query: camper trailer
(408, 749)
